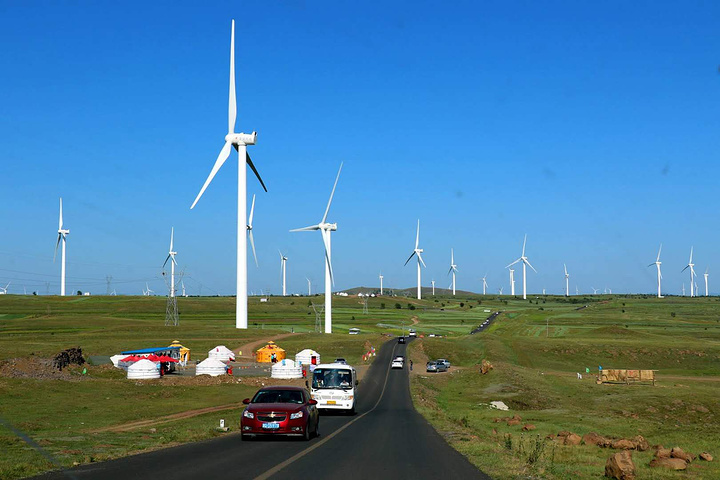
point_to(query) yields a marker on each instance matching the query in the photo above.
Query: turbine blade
(513, 263)
(651, 264)
(450, 271)
(60, 224)
(417, 237)
(565, 267)
(252, 244)
(252, 210)
(172, 236)
(326, 241)
(421, 260)
(686, 267)
(411, 255)
(224, 154)
(524, 242)
(528, 264)
(332, 193)
(306, 229)
(659, 250)
(252, 167)
(232, 101)
(166, 260)
(56, 246)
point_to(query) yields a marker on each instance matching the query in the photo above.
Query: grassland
(536, 347)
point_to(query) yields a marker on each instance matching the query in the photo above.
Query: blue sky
(593, 128)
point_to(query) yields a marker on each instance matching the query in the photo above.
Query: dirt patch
(38, 368)
(248, 350)
(414, 319)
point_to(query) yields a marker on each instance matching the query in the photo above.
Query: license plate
(331, 402)
(271, 425)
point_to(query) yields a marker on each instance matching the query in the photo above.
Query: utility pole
(108, 279)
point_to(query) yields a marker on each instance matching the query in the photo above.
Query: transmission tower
(365, 301)
(318, 309)
(172, 318)
(108, 279)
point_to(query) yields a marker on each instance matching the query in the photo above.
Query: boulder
(620, 466)
(640, 443)
(678, 452)
(662, 452)
(623, 444)
(528, 426)
(563, 433)
(706, 456)
(517, 417)
(593, 438)
(485, 367)
(513, 422)
(671, 463)
(572, 439)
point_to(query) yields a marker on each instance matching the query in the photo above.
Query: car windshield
(278, 396)
(332, 378)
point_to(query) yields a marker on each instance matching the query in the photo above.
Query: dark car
(280, 410)
(401, 339)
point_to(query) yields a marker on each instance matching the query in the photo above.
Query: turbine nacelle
(241, 138)
(332, 227)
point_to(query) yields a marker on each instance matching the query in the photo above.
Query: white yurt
(143, 369)
(286, 369)
(305, 357)
(210, 366)
(222, 353)
(115, 359)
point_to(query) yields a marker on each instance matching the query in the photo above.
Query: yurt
(265, 353)
(286, 369)
(307, 357)
(115, 359)
(184, 351)
(222, 353)
(210, 366)
(143, 369)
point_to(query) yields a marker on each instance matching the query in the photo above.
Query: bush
(462, 304)
(411, 306)
(382, 306)
(398, 306)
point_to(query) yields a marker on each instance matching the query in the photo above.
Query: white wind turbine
(433, 286)
(706, 281)
(4, 289)
(171, 257)
(283, 266)
(484, 279)
(691, 266)
(381, 283)
(500, 290)
(453, 269)
(595, 290)
(309, 286)
(567, 281)
(182, 284)
(525, 263)
(657, 263)
(512, 282)
(62, 236)
(683, 290)
(239, 141)
(147, 290)
(325, 229)
(417, 252)
(249, 229)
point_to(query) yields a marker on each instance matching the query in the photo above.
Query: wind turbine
(147, 290)
(4, 290)
(659, 275)
(325, 229)
(453, 269)
(433, 286)
(171, 257)
(706, 281)
(525, 263)
(62, 235)
(567, 281)
(381, 283)
(512, 282)
(309, 286)
(283, 266)
(484, 279)
(249, 229)
(239, 141)
(500, 290)
(683, 290)
(417, 252)
(691, 266)
(595, 290)
(577, 290)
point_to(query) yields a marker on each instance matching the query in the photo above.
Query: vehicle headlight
(295, 415)
(248, 414)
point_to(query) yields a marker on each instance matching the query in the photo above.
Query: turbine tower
(171, 257)
(657, 263)
(567, 281)
(381, 283)
(512, 282)
(417, 252)
(453, 269)
(283, 266)
(325, 230)
(525, 263)
(691, 266)
(239, 141)
(62, 235)
(706, 281)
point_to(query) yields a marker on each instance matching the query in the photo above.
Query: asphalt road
(387, 438)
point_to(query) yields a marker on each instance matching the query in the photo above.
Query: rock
(651, 410)
(623, 444)
(494, 431)
(528, 426)
(620, 466)
(485, 366)
(513, 422)
(671, 463)
(700, 408)
(706, 456)
(572, 439)
(678, 452)
(550, 436)
(662, 452)
(563, 433)
(640, 443)
(593, 438)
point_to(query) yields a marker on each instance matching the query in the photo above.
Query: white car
(398, 362)
(412, 333)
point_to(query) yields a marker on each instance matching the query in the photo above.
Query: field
(536, 348)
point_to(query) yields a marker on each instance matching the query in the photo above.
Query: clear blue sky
(592, 127)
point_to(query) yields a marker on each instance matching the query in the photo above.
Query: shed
(222, 353)
(263, 354)
(305, 357)
(211, 366)
(143, 369)
(286, 369)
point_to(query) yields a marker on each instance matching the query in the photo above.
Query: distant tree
(398, 306)
(411, 306)
(382, 306)
(462, 304)
(79, 292)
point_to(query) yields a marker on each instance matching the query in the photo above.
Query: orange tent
(264, 354)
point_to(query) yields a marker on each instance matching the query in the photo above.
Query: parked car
(443, 361)
(340, 360)
(398, 362)
(435, 367)
(280, 410)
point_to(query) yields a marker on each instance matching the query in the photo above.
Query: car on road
(280, 410)
(443, 361)
(436, 367)
(341, 360)
(354, 331)
(412, 333)
(398, 362)
(401, 339)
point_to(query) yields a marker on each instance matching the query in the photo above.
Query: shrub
(398, 306)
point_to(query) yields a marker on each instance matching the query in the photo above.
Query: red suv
(280, 410)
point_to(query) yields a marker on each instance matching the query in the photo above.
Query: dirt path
(414, 319)
(248, 350)
(168, 418)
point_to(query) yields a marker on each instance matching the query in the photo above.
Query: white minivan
(334, 386)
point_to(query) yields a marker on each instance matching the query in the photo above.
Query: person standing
(411, 365)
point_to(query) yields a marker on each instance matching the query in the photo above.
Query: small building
(307, 357)
(286, 369)
(212, 367)
(264, 354)
(222, 353)
(143, 369)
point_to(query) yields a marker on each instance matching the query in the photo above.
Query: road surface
(387, 438)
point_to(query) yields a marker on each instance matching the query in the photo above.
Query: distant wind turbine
(4, 289)
(657, 263)
(325, 230)
(171, 257)
(484, 279)
(309, 286)
(595, 290)
(417, 253)
(683, 290)
(453, 269)
(512, 282)
(62, 236)
(381, 283)
(283, 266)
(691, 266)
(706, 281)
(500, 290)
(525, 263)
(239, 141)
(567, 281)
(433, 286)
